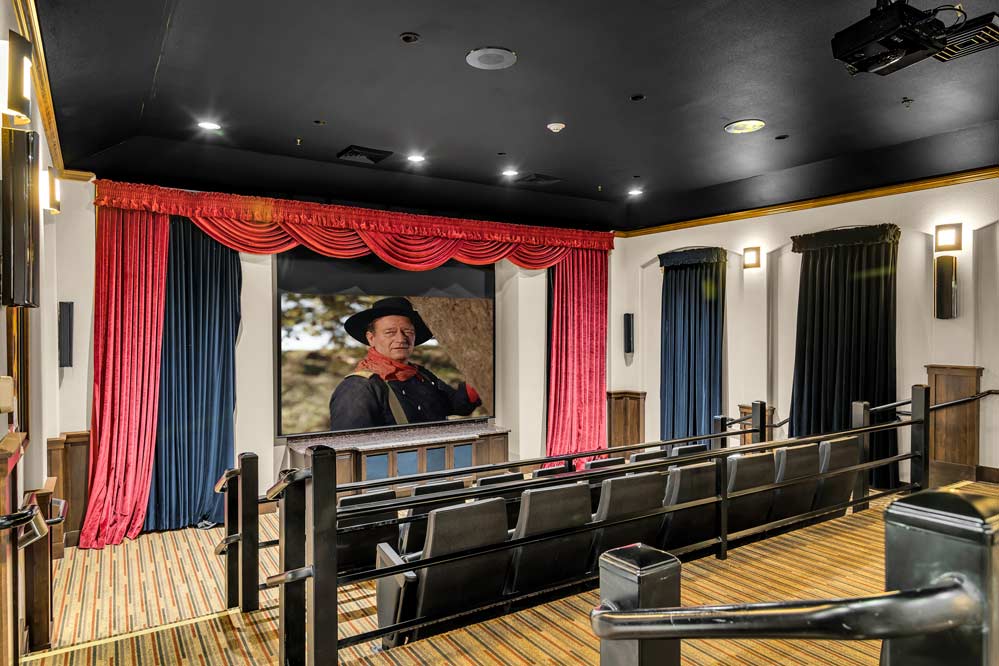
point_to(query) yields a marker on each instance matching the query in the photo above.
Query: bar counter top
(461, 430)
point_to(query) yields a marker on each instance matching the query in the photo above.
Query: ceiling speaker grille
(362, 155)
(976, 35)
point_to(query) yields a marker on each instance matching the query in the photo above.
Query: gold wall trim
(912, 186)
(27, 21)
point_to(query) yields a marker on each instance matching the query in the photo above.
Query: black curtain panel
(692, 332)
(194, 432)
(845, 344)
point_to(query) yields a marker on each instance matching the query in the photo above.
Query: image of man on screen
(385, 388)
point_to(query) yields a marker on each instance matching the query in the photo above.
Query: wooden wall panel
(625, 417)
(953, 431)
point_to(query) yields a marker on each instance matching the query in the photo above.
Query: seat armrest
(386, 556)
(390, 592)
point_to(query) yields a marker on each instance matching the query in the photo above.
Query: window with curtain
(845, 342)
(693, 324)
(194, 431)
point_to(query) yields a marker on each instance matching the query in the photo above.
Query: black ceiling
(131, 79)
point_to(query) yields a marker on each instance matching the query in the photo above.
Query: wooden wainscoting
(625, 417)
(68, 461)
(953, 431)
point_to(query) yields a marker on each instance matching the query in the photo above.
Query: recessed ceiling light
(319, 122)
(638, 97)
(555, 127)
(781, 137)
(209, 125)
(745, 126)
(409, 37)
(635, 192)
(491, 57)
(510, 173)
(415, 158)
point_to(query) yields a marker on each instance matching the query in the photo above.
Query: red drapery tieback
(258, 225)
(129, 295)
(577, 395)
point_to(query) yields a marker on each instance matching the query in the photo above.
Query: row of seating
(454, 587)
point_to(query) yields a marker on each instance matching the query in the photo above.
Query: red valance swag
(258, 225)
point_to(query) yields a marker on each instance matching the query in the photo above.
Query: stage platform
(156, 600)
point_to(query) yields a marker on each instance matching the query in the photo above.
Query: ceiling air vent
(362, 155)
(976, 35)
(538, 179)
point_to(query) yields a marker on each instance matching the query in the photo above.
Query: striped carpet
(842, 557)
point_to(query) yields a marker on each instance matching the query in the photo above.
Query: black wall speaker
(945, 287)
(65, 335)
(629, 333)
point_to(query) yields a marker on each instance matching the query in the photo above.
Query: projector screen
(318, 295)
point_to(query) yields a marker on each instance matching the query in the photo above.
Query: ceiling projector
(897, 35)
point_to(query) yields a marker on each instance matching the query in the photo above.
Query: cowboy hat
(357, 324)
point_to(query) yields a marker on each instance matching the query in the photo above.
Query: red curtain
(258, 225)
(130, 287)
(577, 395)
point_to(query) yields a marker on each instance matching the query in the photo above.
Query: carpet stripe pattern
(842, 557)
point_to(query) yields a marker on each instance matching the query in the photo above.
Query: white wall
(521, 302)
(986, 268)
(254, 421)
(753, 305)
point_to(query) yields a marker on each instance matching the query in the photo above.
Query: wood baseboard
(987, 474)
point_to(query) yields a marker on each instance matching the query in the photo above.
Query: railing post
(919, 437)
(721, 506)
(320, 554)
(291, 620)
(860, 416)
(719, 424)
(634, 577)
(232, 549)
(249, 534)
(759, 422)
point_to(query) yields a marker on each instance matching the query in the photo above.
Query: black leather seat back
(836, 454)
(625, 496)
(563, 468)
(794, 462)
(687, 484)
(356, 550)
(452, 587)
(511, 498)
(548, 510)
(746, 472)
(412, 535)
(603, 462)
(646, 456)
(687, 449)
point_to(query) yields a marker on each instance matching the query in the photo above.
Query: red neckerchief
(386, 368)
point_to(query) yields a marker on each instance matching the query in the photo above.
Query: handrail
(780, 423)
(942, 405)
(732, 422)
(902, 614)
(285, 479)
(60, 512)
(230, 473)
(890, 405)
(288, 577)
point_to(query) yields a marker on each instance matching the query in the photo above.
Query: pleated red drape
(130, 287)
(411, 242)
(577, 394)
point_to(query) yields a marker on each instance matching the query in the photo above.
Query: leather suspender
(395, 406)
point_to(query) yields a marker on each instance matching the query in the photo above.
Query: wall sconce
(51, 192)
(15, 62)
(751, 257)
(947, 238)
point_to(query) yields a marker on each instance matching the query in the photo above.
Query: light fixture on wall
(15, 92)
(751, 257)
(947, 238)
(51, 192)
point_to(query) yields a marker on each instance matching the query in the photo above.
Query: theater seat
(794, 462)
(511, 498)
(625, 496)
(595, 487)
(356, 550)
(836, 454)
(689, 483)
(564, 468)
(544, 564)
(411, 535)
(445, 588)
(646, 456)
(687, 449)
(745, 472)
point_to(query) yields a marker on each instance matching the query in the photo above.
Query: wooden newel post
(920, 436)
(719, 424)
(860, 416)
(249, 534)
(292, 603)
(232, 542)
(320, 555)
